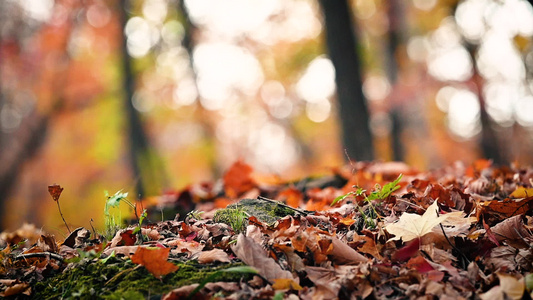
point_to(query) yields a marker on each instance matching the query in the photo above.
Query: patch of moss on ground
(265, 211)
(122, 279)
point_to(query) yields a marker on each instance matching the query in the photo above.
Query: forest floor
(369, 230)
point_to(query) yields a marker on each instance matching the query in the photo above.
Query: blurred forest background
(151, 95)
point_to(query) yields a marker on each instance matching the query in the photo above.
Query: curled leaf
(55, 191)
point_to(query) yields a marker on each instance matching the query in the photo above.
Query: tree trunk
(394, 39)
(342, 43)
(147, 171)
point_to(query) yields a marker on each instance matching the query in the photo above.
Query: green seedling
(379, 193)
(110, 222)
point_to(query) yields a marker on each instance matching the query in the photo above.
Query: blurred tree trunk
(342, 43)
(395, 14)
(488, 142)
(146, 167)
(203, 115)
(21, 146)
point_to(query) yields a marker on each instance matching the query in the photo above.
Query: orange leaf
(55, 191)
(238, 179)
(347, 221)
(154, 260)
(285, 284)
(522, 192)
(292, 197)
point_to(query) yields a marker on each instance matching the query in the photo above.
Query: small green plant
(379, 193)
(110, 222)
(236, 218)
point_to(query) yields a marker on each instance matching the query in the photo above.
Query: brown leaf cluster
(458, 232)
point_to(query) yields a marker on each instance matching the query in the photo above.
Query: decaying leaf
(55, 191)
(154, 260)
(252, 254)
(210, 256)
(411, 226)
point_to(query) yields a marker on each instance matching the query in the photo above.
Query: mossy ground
(121, 279)
(235, 214)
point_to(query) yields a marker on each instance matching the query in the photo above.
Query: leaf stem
(59, 207)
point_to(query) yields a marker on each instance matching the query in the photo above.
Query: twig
(41, 254)
(282, 204)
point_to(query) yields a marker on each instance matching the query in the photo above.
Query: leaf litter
(371, 230)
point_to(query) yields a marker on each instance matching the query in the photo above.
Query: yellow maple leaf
(411, 226)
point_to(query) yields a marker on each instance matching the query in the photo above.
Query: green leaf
(241, 269)
(390, 187)
(114, 201)
(340, 198)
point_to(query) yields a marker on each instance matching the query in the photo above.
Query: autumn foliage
(457, 232)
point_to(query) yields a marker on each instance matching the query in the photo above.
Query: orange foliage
(154, 260)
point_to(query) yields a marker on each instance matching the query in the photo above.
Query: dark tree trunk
(342, 43)
(144, 166)
(395, 13)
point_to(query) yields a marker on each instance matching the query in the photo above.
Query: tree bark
(394, 39)
(342, 43)
(145, 168)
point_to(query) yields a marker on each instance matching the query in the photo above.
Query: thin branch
(41, 254)
(282, 204)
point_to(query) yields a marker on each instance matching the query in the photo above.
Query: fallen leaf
(411, 226)
(238, 179)
(154, 260)
(342, 253)
(252, 254)
(511, 286)
(407, 251)
(522, 192)
(512, 231)
(55, 191)
(210, 256)
(285, 284)
(16, 289)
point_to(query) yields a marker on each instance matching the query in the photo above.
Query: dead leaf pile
(460, 232)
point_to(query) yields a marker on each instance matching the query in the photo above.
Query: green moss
(235, 215)
(121, 279)
(235, 218)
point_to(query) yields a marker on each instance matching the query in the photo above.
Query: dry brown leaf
(210, 256)
(252, 254)
(15, 289)
(342, 253)
(369, 246)
(55, 191)
(511, 230)
(326, 282)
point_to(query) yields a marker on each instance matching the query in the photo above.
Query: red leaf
(154, 260)
(420, 264)
(55, 191)
(407, 251)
